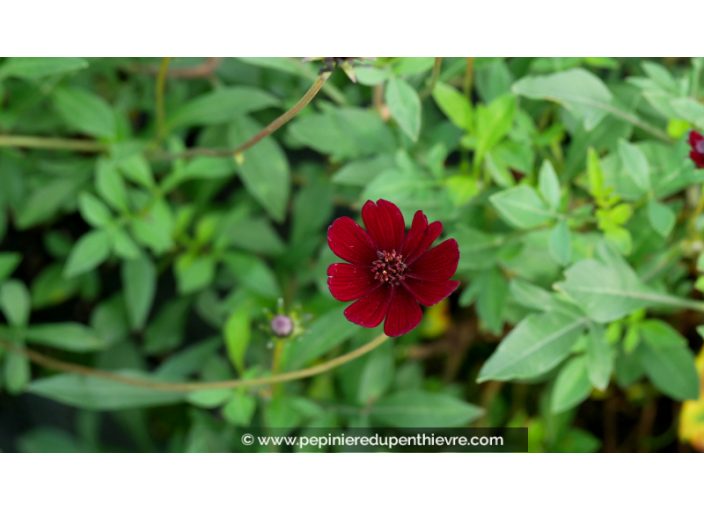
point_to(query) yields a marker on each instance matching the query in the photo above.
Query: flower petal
(351, 242)
(430, 293)
(370, 310)
(349, 282)
(420, 237)
(436, 265)
(404, 313)
(694, 137)
(385, 224)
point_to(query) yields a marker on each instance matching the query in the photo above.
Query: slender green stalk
(63, 366)
(276, 124)
(37, 142)
(433, 78)
(160, 113)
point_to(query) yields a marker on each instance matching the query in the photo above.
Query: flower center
(699, 146)
(389, 268)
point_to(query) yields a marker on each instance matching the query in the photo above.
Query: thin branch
(37, 142)
(63, 366)
(160, 85)
(276, 124)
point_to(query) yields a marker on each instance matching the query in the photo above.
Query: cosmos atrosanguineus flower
(390, 271)
(696, 141)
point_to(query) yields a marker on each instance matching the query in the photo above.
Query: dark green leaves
(85, 112)
(221, 106)
(89, 252)
(100, 394)
(414, 408)
(139, 282)
(39, 67)
(265, 170)
(667, 360)
(69, 336)
(237, 335)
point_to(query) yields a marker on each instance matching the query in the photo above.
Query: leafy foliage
(132, 242)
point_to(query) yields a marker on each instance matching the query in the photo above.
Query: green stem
(276, 124)
(433, 78)
(160, 85)
(63, 366)
(36, 142)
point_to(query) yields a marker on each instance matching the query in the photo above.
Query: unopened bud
(281, 325)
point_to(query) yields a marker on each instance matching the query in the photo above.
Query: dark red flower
(696, 141)
(389, 272)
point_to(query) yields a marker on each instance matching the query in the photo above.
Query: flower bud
(281, 326)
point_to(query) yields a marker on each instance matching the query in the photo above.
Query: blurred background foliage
(565, 181)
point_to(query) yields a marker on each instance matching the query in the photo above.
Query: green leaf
(325, 333)
(39, 67)
(493, 124)
(361, 172)
(572, 386)
(45, 201)
(478, 248)
(122, 244)
(521, 207)
(595, 173)
(265, 170)
(69, 336)
(167, 330)
(194, 273)
(237, 333)
(462, 188)
(198, 168)
(15, 302)
(635, 164)
(45, 439)
(561, 243)
(549, 185)
(8, 263)
(222, 106)
(101, 394)
(17, 372)
(253, 273)
(139, 283)
(492, 299)
(154, 229)
(138, 170)
(453, 104)
(377, 374)
(668, 361)
(95, 212)
(415, 408)
(537, 344)
(600, 362)
(608, 293)
(579, 91)
(51, 288)
(209, 399)
(239, 410)
(110, 185)
(404, 105)
(661, 217)
(85, 112)
(88, 253)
